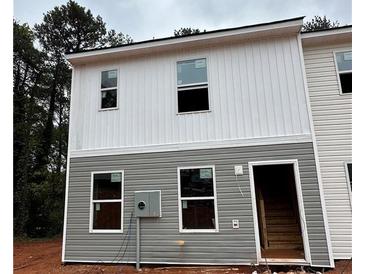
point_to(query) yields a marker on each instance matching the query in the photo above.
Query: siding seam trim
(194, 146)
(315, 151)
(67, 175)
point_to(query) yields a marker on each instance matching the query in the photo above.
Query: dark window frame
(348, 178)
(348, 174)
(342, 72)
(197, 198)
(93, 202)
(193, 86)
(106, 89)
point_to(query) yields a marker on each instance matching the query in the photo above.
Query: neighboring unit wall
(332, 113)
(159, 236)
(256, 90)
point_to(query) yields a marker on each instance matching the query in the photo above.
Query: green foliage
(69, 28)
(186, 31)
(28, 71)
(319, 23)
(113, 39)
(46, 206)
(41, 91)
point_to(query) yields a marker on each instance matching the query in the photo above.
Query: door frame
(303, 224)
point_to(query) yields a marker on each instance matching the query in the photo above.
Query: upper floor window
(344, 69)
(192, 85)
(109, 89)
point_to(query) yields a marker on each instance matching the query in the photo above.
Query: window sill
(108, 109)
(193, 112)
(106, 231)
(199, 231)
(345, 93)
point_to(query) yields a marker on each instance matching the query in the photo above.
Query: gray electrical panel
(147, 203)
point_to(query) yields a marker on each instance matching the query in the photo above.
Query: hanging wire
(99, 261)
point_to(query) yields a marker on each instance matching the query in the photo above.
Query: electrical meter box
(147, 203)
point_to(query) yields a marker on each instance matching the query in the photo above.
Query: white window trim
(181, 230)
(92, 201)
(193, 112)
(303, 222)
(348, 179)
(192, 86)
(342, 72)
(106, 89)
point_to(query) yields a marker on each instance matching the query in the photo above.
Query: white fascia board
(335, 31)
(326, 36)
(256, 31)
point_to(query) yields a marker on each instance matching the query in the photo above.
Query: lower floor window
(197, 199)
(198, 214)
(106, 201)
(107, 215)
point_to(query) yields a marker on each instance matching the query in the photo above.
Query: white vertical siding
(256, 91)
(332, 123)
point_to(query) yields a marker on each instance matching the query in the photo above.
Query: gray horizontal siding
(153, 171)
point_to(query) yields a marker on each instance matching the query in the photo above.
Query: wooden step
(287, 245)
(279, 213)
(284, 245)
(283, 233)
(278, 206)
(283, 237)
(281, 221)
(282, 253)
(287, 228)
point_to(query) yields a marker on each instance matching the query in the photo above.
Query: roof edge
(69, 55)
(332, 31)
(328, 36)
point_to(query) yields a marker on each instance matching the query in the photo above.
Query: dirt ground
(45, 257)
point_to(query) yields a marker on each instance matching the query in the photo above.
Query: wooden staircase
(283, 227)
(280, 231)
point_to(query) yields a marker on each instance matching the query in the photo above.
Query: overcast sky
(145, 19)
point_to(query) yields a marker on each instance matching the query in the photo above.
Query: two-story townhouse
(328, 63)
(219, 124)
